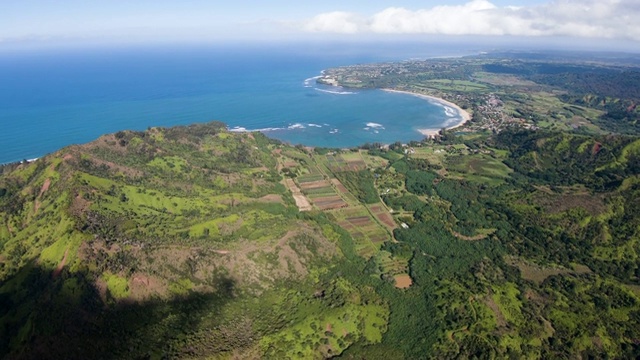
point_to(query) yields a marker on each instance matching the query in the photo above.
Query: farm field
(366, 232)
(347, 161)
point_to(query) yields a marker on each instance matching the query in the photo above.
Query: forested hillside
(194, 242)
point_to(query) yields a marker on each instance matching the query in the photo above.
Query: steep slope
(167, 242)
(188, 243)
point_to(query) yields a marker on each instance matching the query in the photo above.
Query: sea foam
(336, 92)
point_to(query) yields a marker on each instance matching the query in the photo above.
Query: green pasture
(453, 85)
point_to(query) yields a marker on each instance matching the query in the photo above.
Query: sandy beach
(465, 116)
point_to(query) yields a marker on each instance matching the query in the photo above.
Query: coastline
(464, 115)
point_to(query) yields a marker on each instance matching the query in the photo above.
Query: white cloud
(575, 18)
(335, 22)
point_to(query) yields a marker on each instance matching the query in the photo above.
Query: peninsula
(525, 91)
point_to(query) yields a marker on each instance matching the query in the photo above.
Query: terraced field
(320, 192)
(370, 226)
(367, 233)
(384, 217)
(351, 161)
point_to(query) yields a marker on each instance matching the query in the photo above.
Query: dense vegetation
(152, 248)
(359, 184)
(533, 267)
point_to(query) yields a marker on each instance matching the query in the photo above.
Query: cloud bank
(612, 19)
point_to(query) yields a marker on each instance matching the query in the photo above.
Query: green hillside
(194, 242)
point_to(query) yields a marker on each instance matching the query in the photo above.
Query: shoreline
(464, 115)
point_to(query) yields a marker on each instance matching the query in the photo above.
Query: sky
(107, 21)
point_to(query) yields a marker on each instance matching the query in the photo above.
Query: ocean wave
(336, 92)
(450, 112)
(310, 81)
(334, 131)
(452, 122)
(240, 129)
(296, 126)
(375, 125)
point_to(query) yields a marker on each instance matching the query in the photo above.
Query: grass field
(328, 333)
(554, 113)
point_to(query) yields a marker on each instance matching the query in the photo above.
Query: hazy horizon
(568, 24)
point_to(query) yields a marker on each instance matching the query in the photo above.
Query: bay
(50, 99)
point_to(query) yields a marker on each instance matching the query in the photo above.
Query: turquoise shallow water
(52, 99)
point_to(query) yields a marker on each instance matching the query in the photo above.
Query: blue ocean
(50, 99)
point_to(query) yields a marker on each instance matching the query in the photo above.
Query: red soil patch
(314, 184)
(403, 281)
(60, 266)
(631, 107)
(139, 279)
(339, 186)
(329, 202)
(360, 220)
(596, 148)
(101, 287)
(387, 220)
(379, 238)
(45, 187)
(346, 225)
(143, 286)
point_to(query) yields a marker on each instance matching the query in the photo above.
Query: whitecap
(336, 92)
(310, 81)
(375, 125)
(314, 125)
(449, 111)
(240, 129)
(295, 126)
